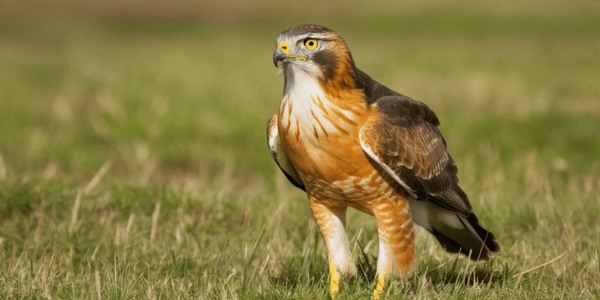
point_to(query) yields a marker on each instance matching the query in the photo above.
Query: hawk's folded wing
(403, 139)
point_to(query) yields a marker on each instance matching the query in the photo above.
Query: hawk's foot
(379, 288)
(334, 280)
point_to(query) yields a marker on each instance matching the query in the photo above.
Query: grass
(133, 161)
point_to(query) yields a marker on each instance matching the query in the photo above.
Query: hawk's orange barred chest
(320, 134)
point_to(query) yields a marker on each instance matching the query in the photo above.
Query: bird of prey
(349, 141)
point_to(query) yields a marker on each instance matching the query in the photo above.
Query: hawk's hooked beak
(282, 52)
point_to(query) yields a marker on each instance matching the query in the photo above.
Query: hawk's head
(318, 51)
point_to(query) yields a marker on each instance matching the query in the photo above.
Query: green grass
(133, 159)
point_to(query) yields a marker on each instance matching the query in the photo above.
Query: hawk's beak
(282, 52)
(278, 56)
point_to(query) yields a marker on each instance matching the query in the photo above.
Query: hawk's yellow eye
(311, 44)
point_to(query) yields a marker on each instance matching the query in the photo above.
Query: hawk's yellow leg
(331, 221)
(379, 287)
(334, 280)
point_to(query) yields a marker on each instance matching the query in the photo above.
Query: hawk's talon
(379, 288)
(334, 280)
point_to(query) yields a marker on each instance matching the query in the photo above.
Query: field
(134, 165)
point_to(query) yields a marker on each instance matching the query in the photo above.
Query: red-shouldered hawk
(349, 141)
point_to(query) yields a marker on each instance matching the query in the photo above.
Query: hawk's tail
(457, 229)
(472, 239)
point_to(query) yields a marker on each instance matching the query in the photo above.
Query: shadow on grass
(441, 276)
(301, 273)
(461, 272)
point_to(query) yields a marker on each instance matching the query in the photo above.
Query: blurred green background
(190, 84)
(134, 133)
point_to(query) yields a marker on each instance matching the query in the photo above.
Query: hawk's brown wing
(403, 139)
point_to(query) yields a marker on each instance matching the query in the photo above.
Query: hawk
(349, 141)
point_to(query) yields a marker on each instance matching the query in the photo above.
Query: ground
(133, 157)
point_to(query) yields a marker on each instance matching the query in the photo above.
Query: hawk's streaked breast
(320, 130)
(309, 114)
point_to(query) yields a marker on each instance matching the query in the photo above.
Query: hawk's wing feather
(280, 156)
(403, 139)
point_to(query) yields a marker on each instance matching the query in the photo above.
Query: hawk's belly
(334, 168)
